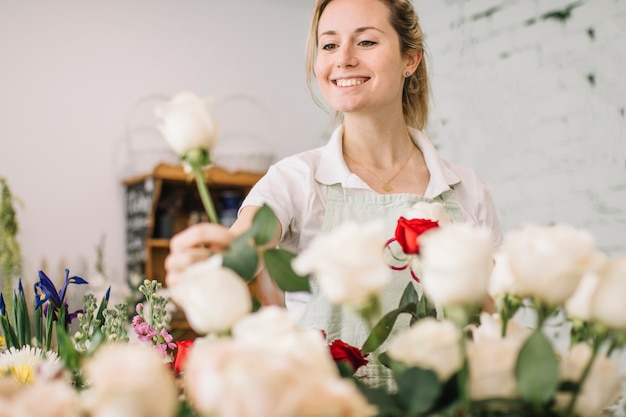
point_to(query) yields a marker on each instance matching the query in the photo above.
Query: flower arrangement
(454, 359)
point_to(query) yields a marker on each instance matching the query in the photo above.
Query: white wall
(75, 75)
(512, 99)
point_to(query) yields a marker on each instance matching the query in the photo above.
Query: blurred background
(529, 93)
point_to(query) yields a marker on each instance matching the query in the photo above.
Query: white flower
(548, 262)
(491, 328)
(27, 364)
(348, 263)
(125, 380)
(213, 297)
(601, 388)
(230, 378)
(59, 399)
(268, 323)
(492, 358)
(581, 303)
(502, 280)
(429, 344)
(456, 264)
(187, 123)
(434, 211)
(608, 306)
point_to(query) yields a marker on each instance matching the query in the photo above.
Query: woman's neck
(376, 142)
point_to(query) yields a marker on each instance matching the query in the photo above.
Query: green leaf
(278, 265)
(104, 303)
(37, 319)
(382, 399)
(97, 339)
(24, 320)
(409, 295)
(381, 330)
(67, 351)
(537, 370)
(9, 334)
(242, 258)
(264, 225)
(418, 390)
(48, 326)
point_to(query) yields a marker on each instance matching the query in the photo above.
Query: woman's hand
(195, 243)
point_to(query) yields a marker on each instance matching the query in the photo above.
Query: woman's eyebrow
(357, 30)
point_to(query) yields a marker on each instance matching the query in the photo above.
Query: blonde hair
(416, 92)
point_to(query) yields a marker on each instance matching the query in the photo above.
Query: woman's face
(359, 67)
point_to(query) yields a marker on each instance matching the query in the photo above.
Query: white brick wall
(536, 105)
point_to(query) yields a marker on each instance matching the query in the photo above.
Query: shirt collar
(333, 169)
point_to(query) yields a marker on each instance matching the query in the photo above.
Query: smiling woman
(367, 57)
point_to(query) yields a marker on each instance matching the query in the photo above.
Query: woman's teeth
(348, 83)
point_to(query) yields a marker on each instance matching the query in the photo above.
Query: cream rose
(601, 388)
(213, 297)
(429, 344)
(125, 380)
(581, 303)
(608, 305)
(548, 262)
(348, 263)
(239, 378)
(187, 123)
(61, 400)
(456, 264)
(434, 211)
(501, 281)
(492, 358)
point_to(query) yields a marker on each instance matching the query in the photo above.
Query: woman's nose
(346, 57)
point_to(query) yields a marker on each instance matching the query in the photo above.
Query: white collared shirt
(296, 187)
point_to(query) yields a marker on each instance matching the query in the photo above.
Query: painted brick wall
(531, 94)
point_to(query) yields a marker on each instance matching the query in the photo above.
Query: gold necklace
(386, 184)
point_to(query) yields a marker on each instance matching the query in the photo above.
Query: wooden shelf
(161, 203)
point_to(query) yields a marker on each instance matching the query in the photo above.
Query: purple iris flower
(46, 291)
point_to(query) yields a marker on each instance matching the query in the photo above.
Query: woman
(367, 58)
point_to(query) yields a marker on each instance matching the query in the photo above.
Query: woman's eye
(367, 43)
(329, 46)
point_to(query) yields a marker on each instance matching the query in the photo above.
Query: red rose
(182, 349)
(343, 352)
(409, 231)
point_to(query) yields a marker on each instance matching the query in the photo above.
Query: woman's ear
(412, 62)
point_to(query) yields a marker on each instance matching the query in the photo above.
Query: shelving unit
(163, 202)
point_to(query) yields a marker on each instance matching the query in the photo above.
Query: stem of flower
(204, 194)
(596, 347)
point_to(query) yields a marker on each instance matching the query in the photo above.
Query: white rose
(491, 367)
(580, 304)
(548, 261)
(125, 379)
(491, 328)
(501, 281)
(213, 297)
(268, 323)
(187, 123)
(429, 344)
(435, 212)
(61, 400)
(348, 263)
(334, 397)
(276, 328)
(456, 264)
(608, 306)
(492, 358)
(601, 388)
(228, 378)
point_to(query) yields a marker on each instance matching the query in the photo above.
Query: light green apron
(343, 323)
